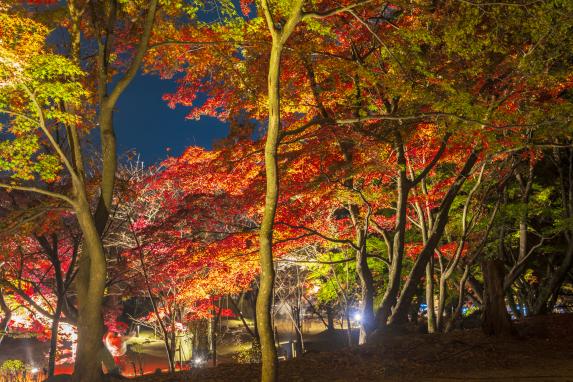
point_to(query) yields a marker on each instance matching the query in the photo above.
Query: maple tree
(404, 160)
(381, 96)
(56, 101)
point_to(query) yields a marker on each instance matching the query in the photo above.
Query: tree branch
(39, 191)
(334, 11)
(139, 54)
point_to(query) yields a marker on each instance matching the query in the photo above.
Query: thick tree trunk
(496, 321)
(87, 367)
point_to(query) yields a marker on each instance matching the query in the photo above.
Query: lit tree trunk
(442, 295)
(431, 312)
(89, 274)
(269, 369)
(200, 339)
(525, 188)
(367, 321)
(264, 298)
(403, 188)
(458, 309)
(7, 316)
(54, 336)
(366, 295)
(87, 367)
(172, 348)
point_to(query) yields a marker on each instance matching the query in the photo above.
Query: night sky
(145, 123)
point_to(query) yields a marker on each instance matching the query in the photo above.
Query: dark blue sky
(144, 122)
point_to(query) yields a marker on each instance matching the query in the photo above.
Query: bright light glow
(35, 370)
(198, 361)
(357, 317)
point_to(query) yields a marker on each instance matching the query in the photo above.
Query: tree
(35, 84)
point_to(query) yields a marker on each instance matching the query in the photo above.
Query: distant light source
(35, 370)
(357, 317)
(198, 361)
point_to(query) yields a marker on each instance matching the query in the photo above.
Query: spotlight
(357, 317)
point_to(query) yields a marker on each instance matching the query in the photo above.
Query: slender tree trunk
(329, 319)
(239, 312)
(280, 33)
(214, 339)
(348, 326)
(366, 295)
(200, 341)
(431, 312)
(550, 288)
(393, 288)
(269, 372)
(458, 309)
(54, 336)
(400, 313)
(442, 293)
(7, 316)
(172, 349)
(552, 285)
(298, 331)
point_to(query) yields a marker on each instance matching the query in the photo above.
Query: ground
(543, 351)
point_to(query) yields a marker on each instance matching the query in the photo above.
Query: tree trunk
(7, 316)
(269, 370)
(442, 295)
(400, 313)
(200, 340)
(298, 331)
(214, 342)
(551, 287)
(54, 337)
(87, 367)
(329, 318)
(495, 320)
(431, 313)
(269, 367)
(366, 296)
(458, 309)
(348, 327)
(393, 288)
